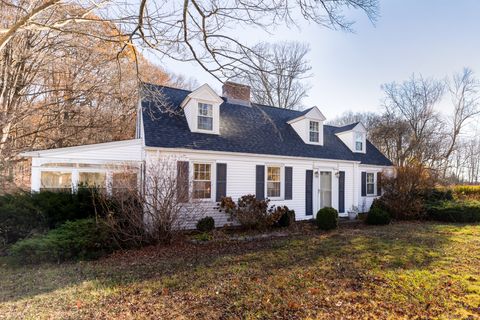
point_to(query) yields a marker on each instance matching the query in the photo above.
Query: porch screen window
(123, 181)
(314, 131)
(359, 142)
(202, 181)
(205, 116)
(370, 183)
(273, 182)
(56, 181)
(93, 179)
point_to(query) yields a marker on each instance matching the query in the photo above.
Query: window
(205, 116)
(124, 181)
(92, 179)
(273, 182)
(56, 181)
(202, 181)
(314, 131)
(370, 183)
(359, 142)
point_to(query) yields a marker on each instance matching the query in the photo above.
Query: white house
(230, 147)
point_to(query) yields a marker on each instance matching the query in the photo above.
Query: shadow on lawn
(342, 253)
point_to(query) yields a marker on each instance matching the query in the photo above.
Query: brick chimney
(236, 93)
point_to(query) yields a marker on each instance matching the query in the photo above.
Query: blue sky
(433, 37)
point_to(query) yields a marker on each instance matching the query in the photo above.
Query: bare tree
(277, 81)
(368, 119)
(187, 31)
(464, 92)
(163, 205)
(414, 103)
(61, 89)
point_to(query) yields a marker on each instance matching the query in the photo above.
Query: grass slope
(404, 270)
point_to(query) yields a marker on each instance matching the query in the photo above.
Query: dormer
(202, 110)
(354, 136)
(309, 126)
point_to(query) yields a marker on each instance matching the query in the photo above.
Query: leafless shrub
(403, 191)
(252, 213)
(153, 212)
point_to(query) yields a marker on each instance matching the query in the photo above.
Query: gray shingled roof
(348, 127)
(257, 129)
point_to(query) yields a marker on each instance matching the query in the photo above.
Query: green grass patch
(403, 270)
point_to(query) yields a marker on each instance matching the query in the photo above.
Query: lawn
(404, 270)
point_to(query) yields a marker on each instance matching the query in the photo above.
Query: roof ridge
(164, 86)
(275, 107)
(253, 103)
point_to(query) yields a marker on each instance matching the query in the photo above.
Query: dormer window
(359, 142)
(205, 116)
(314, 131)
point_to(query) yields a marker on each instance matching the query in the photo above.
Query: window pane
(205, 109)
(205, 123)
(370, 188)
(359, 146)
(273, 174)
(370, 183)
(92, 179)
(273, 182)
(124, 181)
(59, 164)
(370, 177)
(314, 126)
(201, 189)
(325, 189)
(56, 180)
(314, 137)
(273, 189)
(201, 181)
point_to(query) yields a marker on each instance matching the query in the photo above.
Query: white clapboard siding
(241, 180)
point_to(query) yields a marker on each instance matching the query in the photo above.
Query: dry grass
(405, 270)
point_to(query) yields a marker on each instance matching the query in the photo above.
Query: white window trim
(212, 117)
(310, 131)
(282, 181)
(374, 194)
(363, 141)
(213, 178)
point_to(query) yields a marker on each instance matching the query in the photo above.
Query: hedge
(80, 239)
(25, 214)
(455, 211)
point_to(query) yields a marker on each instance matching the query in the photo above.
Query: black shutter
(341, 192)
(288, 183)
(182, 181)
(364, 184)
(260, 182)
(379, 184)
(221, 181)
(309, 193)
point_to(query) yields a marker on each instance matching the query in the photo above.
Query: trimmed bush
(287, 216)
(466, 192)
(80, 239)
(249, 211)
(206, 224)
(327, 218)
(19, 219)
(378, 216)
(452, 211)
(25, 214)
(59, 207)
